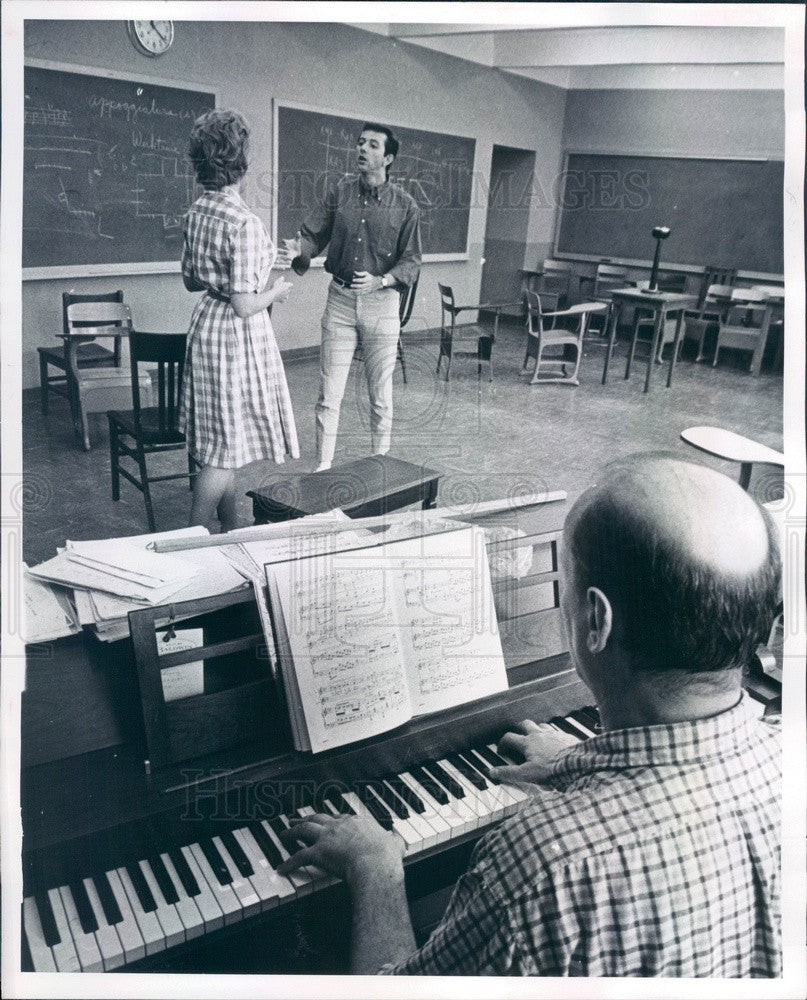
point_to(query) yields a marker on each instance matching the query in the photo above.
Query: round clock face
(153, 38)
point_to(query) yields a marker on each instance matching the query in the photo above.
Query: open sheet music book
(369, 637)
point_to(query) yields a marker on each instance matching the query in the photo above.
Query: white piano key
(271, 887)
(457, 824)
(225, 897)
(41, 953)
(460, 808)
(426, 833)
(502, 791)
(489, 808)
(300, 879)
(241, 886)
(149, 925)
(438, 823)
(134, 947)
(209, 908)
(89, 955)
(519, 794)
(109, 943)
(187, 910)
(64, 953)
(400, 826)
(173, 928)
(317, 873)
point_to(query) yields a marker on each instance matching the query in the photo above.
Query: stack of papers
(48, 612)
(111, 577)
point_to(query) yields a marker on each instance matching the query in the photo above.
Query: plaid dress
(235, 406)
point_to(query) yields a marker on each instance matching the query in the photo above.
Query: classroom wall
(329, 66)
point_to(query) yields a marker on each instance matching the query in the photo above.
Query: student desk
(364, 488)
(661, 305)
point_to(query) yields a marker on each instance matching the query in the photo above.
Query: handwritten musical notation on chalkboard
(316, 149)
(107, 178)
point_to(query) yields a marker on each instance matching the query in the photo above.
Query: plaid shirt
(651, 852)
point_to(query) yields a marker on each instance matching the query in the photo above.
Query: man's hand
(280, 290)
(287, 253)
(539, 745)
(364, 282)
(353, 848)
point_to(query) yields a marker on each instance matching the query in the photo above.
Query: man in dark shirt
(371, 229)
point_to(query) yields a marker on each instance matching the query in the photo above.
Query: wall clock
(152, 38)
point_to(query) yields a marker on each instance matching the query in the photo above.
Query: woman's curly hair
(218, 150)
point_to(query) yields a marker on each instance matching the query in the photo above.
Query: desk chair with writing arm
(551, 283)
(744, 325)
(147, 430)
(607, 279)
(542, 335)
(405, 306)
(94, 389)
(90, 354)
(466, 333)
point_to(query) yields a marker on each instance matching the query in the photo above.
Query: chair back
(609, 278)
(535, 314)
(71, 298)
(448, 308)
(672, 281)
(715, 276)
(99, 319)
(167, 352)
(407, 302)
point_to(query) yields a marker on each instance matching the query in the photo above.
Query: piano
(176, 870)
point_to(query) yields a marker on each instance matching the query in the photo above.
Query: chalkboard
(107, 179)
(315, 149)
(722, 213)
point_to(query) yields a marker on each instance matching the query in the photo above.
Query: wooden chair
(745, 323)
(94, 389)
(90, 354)
(146, 430)
(541, 336)
(698, 322)
(466, 333)
(404, 312)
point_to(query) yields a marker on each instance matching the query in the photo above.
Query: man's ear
(600, 620)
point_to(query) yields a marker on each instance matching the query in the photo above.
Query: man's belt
(341, 282)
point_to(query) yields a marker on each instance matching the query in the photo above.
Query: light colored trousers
(371, 318)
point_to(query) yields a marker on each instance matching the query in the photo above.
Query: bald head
(687, 558)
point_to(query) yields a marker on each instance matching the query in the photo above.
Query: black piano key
(468, 772)
(481, 766)
(445, 779)
(108, 902)
(391, 800)
(378, 812)
(86, 915)
(216, 861)
(266, 844)
(184, 872)
(434, 789)
(566, 727)
(590, 712)
(164, 881)
(237, 854)
(407, 794)
(337, 800)
(50, 931)
(494, 759)
(141, 887)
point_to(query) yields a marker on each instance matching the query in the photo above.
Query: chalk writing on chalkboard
(317, 149)
(107, 178)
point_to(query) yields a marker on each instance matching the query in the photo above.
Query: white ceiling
(612, 57)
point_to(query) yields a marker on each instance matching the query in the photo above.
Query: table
(364, 488)
(660, 304)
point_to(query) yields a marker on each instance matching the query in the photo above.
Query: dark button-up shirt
(365, 229)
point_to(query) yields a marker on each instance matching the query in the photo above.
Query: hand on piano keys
(186, 888)
(537, 747)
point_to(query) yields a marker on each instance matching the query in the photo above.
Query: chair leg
(402, 359)
(114, 458)
(191, 470)
(43, 384)
(144, 482)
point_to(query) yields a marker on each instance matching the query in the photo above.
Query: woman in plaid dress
(235, 405)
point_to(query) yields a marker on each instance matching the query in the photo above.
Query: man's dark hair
(675, 611)
(391, 143)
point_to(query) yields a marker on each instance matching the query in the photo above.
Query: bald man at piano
(653, 847)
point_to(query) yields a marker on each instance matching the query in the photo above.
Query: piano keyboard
(109, 919)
